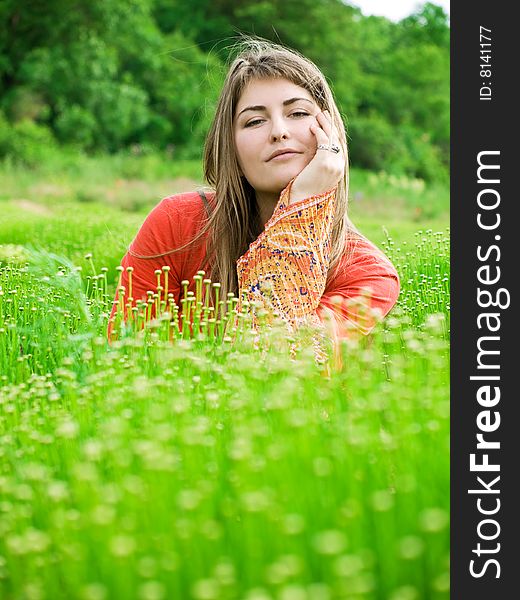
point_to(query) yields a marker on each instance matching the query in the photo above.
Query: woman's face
(273, 116)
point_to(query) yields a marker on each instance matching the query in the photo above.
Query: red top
(363, 272)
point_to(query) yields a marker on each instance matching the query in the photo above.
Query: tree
(106, 74)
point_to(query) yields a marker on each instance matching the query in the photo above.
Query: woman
(275, 227)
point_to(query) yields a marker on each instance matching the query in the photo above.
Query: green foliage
(402, 123)
(104, 75)
(428, 25)
(25, 142)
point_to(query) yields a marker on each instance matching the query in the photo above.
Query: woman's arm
(363, 290)
(286, 269)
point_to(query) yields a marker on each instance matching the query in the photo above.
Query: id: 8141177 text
(485, 63)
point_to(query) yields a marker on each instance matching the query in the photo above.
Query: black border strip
(483, 126)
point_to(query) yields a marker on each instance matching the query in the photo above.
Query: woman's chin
(275, 183)
(283, 181)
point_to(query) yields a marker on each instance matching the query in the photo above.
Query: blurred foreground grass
(211, 471)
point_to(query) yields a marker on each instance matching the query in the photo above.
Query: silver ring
(332, 148)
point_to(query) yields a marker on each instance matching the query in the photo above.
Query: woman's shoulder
(361, 252)
(192, 201)
(173, 221)
(183, 210)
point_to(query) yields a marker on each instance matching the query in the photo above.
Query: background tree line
(108, 75)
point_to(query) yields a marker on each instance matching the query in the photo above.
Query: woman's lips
(284, 156)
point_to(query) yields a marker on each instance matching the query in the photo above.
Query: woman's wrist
(297, 192)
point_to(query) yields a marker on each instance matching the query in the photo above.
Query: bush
(373, 142)
(25, 142)
(377, 145)
(24, 103)
(424, 158)
(76, 125)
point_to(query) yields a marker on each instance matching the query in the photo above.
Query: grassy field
(223, 467)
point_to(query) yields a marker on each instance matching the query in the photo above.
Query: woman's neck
(266, 205)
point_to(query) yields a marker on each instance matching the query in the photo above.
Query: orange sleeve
(286, 267)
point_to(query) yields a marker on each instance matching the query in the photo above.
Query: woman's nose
(279, 130)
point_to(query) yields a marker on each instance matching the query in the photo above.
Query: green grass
(210, 469)
(71, 229)
(126, 182)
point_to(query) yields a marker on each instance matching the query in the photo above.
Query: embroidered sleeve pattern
(286, 267)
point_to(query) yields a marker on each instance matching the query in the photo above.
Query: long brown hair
(233, 220)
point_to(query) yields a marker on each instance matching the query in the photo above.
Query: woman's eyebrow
(260, 107)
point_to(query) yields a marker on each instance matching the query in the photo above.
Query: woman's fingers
(321, 135)
(324, 123)
(326, 168)
(326, 126)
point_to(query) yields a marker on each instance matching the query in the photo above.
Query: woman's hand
(326, 168)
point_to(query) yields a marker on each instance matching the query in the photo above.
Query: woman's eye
(297, 114)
